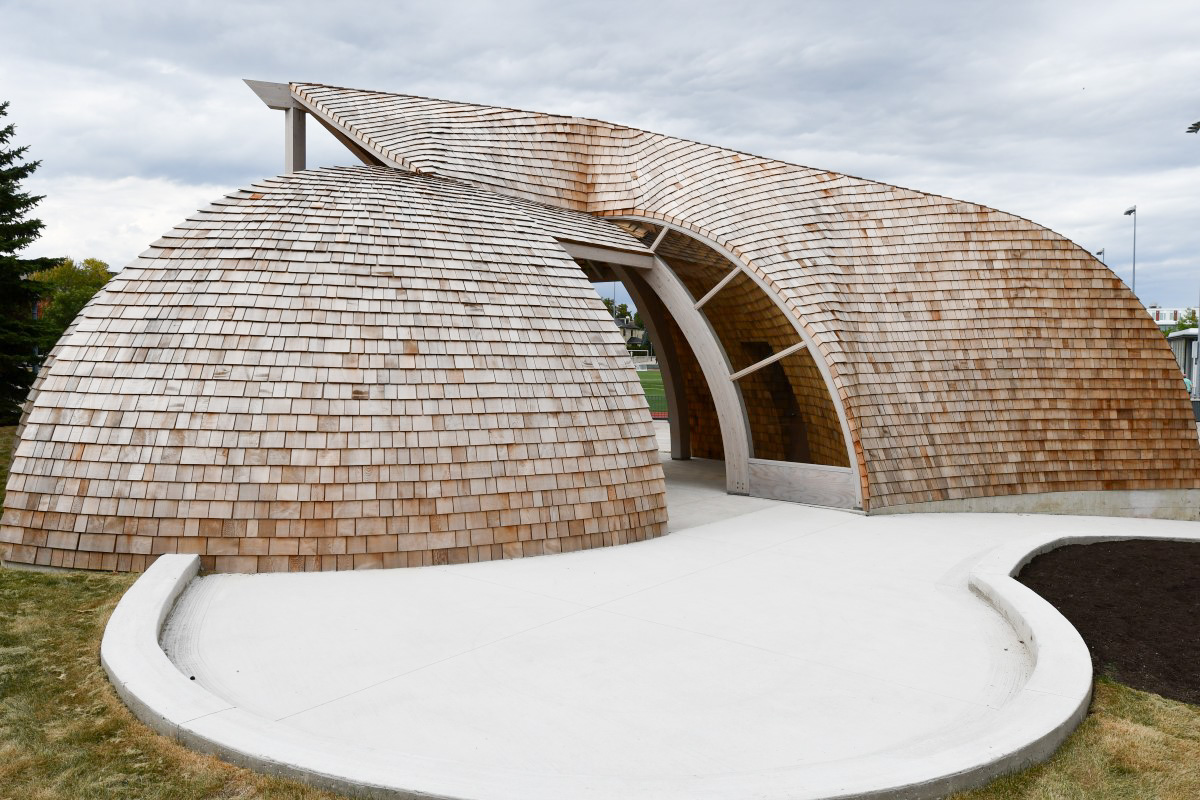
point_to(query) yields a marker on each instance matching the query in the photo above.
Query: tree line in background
(39, 297)
(621, 311)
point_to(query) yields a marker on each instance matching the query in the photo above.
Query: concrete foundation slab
(762, 649)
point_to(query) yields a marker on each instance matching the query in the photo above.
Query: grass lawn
(652, 385)
(651, 381)
(8, 435)
(1132, 746)
(65, 734)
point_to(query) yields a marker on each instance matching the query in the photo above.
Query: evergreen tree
(18, 293)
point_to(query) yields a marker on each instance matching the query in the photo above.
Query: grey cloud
(1065, 112)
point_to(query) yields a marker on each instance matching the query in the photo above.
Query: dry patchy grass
(1132, 746)
(64, 733)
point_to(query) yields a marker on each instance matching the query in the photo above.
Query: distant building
(631, 333)
(1167, 318)
(1183, 345)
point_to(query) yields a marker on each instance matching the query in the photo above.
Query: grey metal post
(279, 97)
(293, 143)
(1132, 211)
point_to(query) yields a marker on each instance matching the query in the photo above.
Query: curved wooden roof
(976, 354)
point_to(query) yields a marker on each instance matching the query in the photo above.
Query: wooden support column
(856, 477)
(735, 430)
(279, 97)
(668, 362)
(293, 142)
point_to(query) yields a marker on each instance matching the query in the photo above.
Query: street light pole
(1196, 359)
(1195, 128)
(1132, 211)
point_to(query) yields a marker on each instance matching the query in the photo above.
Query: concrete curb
(145, 679)
(1036, 719)
(172, 704)
(1062, 663)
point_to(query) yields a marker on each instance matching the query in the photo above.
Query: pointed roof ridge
(683, 140)
(572, 118)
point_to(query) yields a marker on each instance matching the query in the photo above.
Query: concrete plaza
(761, 649)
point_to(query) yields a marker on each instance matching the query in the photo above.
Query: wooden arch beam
(838, 494)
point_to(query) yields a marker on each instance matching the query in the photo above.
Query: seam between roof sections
(584, 164)
(594, 123)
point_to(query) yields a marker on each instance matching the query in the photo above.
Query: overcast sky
(1065, 113)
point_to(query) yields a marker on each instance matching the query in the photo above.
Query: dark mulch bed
(1136, 604)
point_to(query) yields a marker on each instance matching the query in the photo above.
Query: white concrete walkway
(762, 649)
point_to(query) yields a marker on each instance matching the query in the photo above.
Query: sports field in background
(652, 385)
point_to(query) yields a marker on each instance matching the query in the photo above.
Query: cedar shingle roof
(975, 353)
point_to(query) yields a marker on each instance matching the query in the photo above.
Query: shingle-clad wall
(335, 369)
(974, 353)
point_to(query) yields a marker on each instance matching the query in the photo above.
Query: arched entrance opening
(743, 381)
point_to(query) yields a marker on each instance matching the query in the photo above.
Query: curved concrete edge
(1062, 663)
(1037, 719)
(144, 678)
(1176, 504)
(172, 704)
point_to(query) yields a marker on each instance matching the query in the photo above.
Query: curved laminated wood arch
(674, 389)
(810, 483)
(730, 410)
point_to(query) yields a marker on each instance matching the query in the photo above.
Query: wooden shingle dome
(340, 368)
